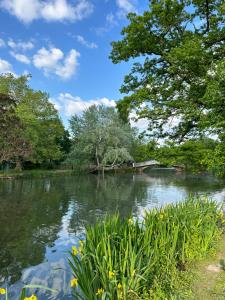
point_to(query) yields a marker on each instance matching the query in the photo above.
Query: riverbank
(149, 259)
(209, 275)
(34, 173)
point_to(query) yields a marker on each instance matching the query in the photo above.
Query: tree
(100, 137)
(178, 82)
(14, 147)
(194, 154)
(43, 127)
(40, 125)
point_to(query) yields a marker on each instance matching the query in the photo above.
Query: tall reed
(128, 259)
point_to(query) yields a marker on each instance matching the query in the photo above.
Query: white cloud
(52, 10)
(2, 43)
(111, 20)
(53, 61)
(24, 46)
(20, 57)
(5, 66)
(125, 7)
(141, 124)
(70, 105)
(84, 42)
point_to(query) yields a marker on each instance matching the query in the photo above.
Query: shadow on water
(40, 219)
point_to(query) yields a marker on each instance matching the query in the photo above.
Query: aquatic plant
(131, 259)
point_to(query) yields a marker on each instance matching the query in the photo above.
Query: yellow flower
(133, 273)
(32, 297)
(99, 292)
(161, 216)
(111, 274)
(73, 282)
(119, 286)
(220, 214)
(2, 291)
(130, 221)
(81, 243)
(74, 250)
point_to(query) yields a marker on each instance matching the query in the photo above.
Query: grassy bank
(209, 274)
(128, 259)
(34, 173)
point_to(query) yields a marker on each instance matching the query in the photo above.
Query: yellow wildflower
(32, 297)
(81, 243)
(130, 221)
(220, 214)
(73, 282)
(100, 292)
(119, 286)
(111, 274)
(2, 291)
(161, 216)
(74, 250)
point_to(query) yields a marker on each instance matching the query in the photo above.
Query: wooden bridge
(146, 164)
(140, 167)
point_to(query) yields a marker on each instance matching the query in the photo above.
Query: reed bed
(131, 259)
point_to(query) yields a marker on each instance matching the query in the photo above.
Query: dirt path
(209, 274)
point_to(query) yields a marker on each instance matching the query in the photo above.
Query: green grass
(128, 259)
(208, 283)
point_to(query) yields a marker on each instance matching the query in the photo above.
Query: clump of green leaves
(132, 259)
(100, 138)
(177, 81)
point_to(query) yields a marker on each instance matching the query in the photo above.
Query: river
(40, 219)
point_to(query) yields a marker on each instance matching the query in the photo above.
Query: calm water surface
(40, 219)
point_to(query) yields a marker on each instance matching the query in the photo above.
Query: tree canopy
(177, 81)
(14, 146)
(33, 125)
(100, 137)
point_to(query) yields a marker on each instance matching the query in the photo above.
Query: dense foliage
(178, 81)
(100, 138)
(128, 259)
(33, 131)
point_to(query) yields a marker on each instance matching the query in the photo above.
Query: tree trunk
(96, 155)
(18, 165)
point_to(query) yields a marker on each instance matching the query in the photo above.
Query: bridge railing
(146, 164)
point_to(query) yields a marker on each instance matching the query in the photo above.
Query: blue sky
(65, 45)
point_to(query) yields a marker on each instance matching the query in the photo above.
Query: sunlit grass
(128, 259)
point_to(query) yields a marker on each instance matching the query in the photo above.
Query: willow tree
(100, 138)
(177, 81)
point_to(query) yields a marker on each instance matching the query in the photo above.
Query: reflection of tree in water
(95, 196)
(31, 213)
(192, 183)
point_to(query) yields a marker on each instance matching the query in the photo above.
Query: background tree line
(31, 132)
(177, 83)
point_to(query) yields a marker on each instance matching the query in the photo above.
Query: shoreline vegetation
(13, 174)
(170, 253)
(149, 258)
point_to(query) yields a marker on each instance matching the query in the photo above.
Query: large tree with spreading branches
(177, 80)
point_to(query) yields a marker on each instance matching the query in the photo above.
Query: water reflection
(41, 218)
